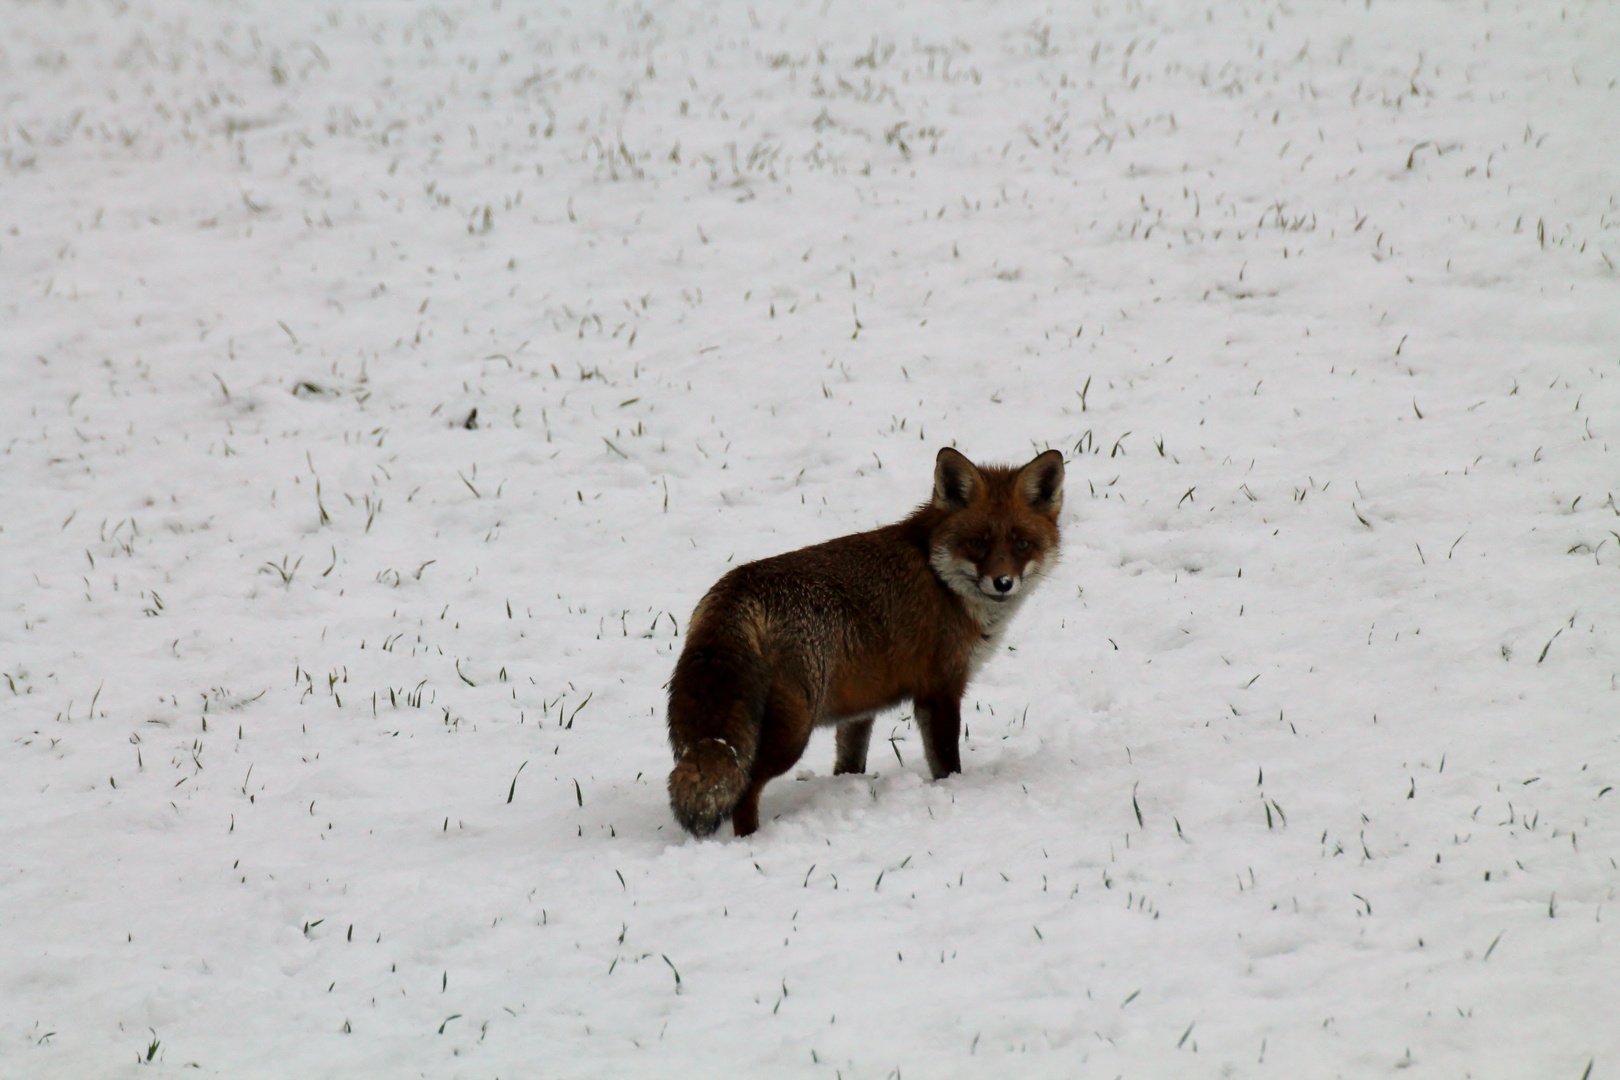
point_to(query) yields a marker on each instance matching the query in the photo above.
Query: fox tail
(716, 705)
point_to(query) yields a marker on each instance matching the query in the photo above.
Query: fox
(834, 633)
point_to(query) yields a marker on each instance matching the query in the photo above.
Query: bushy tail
(706, 785)
(716, 703)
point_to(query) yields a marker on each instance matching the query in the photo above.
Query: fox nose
(1004, 584)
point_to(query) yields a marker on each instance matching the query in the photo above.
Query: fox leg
(784, 732)
(939, 720)
(745, 819)
(853, 738)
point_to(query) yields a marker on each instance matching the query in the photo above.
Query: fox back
(836, 632)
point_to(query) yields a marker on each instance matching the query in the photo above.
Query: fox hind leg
(784, 733)
(745, 819)
(854, 736)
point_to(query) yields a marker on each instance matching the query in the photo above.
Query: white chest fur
(994, 619)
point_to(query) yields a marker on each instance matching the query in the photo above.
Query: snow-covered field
(384, 383)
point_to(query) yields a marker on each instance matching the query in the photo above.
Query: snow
(333, 728)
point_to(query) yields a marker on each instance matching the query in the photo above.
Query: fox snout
(1001, 562)
(999, 587)
(993, 579)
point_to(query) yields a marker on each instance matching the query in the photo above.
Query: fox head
(998, 531)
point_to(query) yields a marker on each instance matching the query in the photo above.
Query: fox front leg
(939, 721)
(853, 738)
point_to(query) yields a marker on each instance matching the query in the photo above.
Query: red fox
(836, 632)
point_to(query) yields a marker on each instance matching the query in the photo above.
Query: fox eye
(1020, 546)
(978, 547)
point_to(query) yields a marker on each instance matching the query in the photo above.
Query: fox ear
(1041, 483)
(955, 480)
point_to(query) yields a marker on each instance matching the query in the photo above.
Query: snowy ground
(333, 730)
